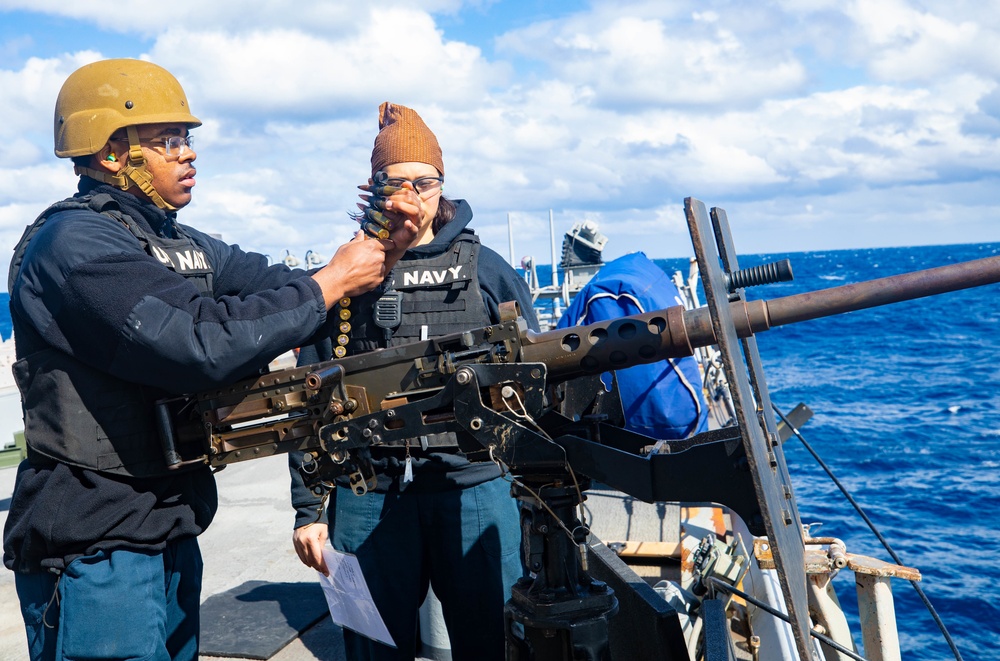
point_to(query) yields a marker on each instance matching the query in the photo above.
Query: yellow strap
(133, 172)
(108, 178)
(137, 172)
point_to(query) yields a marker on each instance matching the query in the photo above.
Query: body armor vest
(79, 415)
(440, 296)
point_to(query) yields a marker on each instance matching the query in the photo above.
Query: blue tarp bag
(662, 400)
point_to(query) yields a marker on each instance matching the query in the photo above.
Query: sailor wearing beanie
(434, 518)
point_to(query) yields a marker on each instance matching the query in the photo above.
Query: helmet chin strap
(134, 172)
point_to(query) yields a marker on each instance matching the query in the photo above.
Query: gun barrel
(675, 332)
(883, 291)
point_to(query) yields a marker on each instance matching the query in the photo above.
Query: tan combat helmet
(101, 98)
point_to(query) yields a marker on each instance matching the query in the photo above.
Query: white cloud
(26, 106)
(927, 41)
(151, 19)
(295, 72)
(630, 61)
(28, 184)
(614, 112)
(24, 193)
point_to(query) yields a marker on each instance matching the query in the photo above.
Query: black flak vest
(76, 414)
(440, 296)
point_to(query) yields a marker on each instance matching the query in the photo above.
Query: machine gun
(534, 403)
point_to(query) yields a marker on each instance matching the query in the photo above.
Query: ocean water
(907, 414)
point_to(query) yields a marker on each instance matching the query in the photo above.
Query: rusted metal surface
(838, 550)
(860, 564)
(697, 521)
(822, 559)
(834, 557)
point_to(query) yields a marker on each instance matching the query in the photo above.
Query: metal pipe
(893, 289)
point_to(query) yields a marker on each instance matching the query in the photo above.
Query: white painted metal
(824, 606)
(878, 618)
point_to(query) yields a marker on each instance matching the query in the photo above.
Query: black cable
(826, 640)
(871, 525)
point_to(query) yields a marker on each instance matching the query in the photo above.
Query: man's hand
(360, 265)
(357, 266)
(309, 542)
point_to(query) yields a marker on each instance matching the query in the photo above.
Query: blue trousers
(116, 605)
(463, 542)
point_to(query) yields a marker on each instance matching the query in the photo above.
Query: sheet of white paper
(350, 601)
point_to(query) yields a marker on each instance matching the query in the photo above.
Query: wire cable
(874, 529)
(826, 640)
(505, 470)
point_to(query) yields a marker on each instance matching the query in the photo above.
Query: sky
(816, 124)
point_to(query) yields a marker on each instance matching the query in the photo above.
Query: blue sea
(907, 414)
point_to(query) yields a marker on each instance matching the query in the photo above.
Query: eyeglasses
(420, 184)
(174, 145)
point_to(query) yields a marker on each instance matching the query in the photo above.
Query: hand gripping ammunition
(373, 221)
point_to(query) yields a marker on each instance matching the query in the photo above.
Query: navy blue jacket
(87, 288)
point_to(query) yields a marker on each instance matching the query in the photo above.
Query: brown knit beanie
(403, 137)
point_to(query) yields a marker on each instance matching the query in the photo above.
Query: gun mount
(534, 403)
